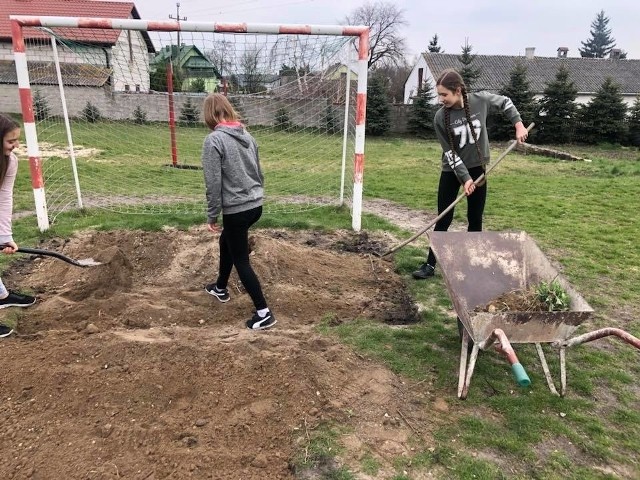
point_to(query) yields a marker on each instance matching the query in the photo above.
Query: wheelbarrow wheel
(460, 332)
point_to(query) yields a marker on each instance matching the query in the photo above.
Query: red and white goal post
(108, 104)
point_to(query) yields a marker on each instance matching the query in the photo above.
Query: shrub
(40, 106)
(139, 116)
(330, 122)
(91, 113)
(189, 114)
(282, 120)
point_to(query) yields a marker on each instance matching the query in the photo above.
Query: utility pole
(179, 19)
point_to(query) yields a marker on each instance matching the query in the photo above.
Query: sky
(491, 27)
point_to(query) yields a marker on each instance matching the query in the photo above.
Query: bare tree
(395, 75)
(252, 69)
(384, 20)
(222, 56)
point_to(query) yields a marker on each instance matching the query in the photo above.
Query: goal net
(116, 109)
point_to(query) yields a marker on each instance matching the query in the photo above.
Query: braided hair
(452, 80)
(7, 124)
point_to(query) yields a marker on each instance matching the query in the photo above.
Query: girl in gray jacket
(234, 189)
(461, 128)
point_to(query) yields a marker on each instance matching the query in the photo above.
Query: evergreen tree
(634, 123)
(91, 113)
(468, 72)
(40, 106)
(282, 120)
(603, 118)
(556, 114)
(518, 90)
(330, 121)
(189, 115)
(378, 110)
(422, 110)
(139, 116)
(433, 45)
(601, 42)
(158, 79)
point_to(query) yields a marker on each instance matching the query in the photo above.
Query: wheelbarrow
(477, 268)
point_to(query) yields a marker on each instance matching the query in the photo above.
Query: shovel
(86, 262)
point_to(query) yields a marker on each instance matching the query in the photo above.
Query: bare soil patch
(131, 370)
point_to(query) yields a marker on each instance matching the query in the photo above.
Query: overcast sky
(492, 27)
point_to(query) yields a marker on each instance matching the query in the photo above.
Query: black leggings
(448, 192)
(234, 251)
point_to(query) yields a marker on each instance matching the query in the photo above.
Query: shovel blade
(88, 262)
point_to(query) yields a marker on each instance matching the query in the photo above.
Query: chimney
(615, 53)
(530, 52)
(562, 52)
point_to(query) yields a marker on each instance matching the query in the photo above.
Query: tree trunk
(548, 152)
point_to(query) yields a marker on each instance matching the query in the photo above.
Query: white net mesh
(296, 93)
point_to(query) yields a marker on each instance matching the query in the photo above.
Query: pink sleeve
(6, 200)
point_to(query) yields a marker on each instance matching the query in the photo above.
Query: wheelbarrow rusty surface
(480, 266)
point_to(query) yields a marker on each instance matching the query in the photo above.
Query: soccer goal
(112, 110)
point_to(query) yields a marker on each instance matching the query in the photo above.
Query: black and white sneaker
(220, 294)
(425, 271)
(17, 300)
(260, 323)
(5, 331)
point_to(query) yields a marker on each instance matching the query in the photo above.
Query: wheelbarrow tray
(478, 267)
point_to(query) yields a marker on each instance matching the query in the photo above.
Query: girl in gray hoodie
(234, 189)
(461, 128)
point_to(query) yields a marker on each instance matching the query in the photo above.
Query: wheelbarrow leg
(464, 353)
(469, 372)
(545, 368)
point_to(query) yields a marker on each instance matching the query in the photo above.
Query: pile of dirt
(131, 370)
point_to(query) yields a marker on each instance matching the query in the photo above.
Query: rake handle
(457, 200)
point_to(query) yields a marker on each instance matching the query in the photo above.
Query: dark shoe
(260, 323)
(5, 331)
(17, 300)
(220, 294)
(425, 271)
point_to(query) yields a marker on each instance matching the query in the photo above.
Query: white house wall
(411, 85)
(130, 66)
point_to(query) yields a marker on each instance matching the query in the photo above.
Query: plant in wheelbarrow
(553, 296)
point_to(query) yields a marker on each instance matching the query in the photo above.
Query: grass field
(583, 215)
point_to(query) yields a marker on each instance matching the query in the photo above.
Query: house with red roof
(113, 60)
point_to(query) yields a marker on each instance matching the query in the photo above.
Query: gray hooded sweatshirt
(232, 173)
(465, 156)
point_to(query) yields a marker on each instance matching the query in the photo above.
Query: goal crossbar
(18, 22)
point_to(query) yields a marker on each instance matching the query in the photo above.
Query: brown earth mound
(131, 370)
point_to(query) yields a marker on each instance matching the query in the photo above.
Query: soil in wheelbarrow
(131, 370)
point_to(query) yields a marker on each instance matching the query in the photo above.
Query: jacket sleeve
(449, 157)
(212, 168)
(6, 200)
(503, 104)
